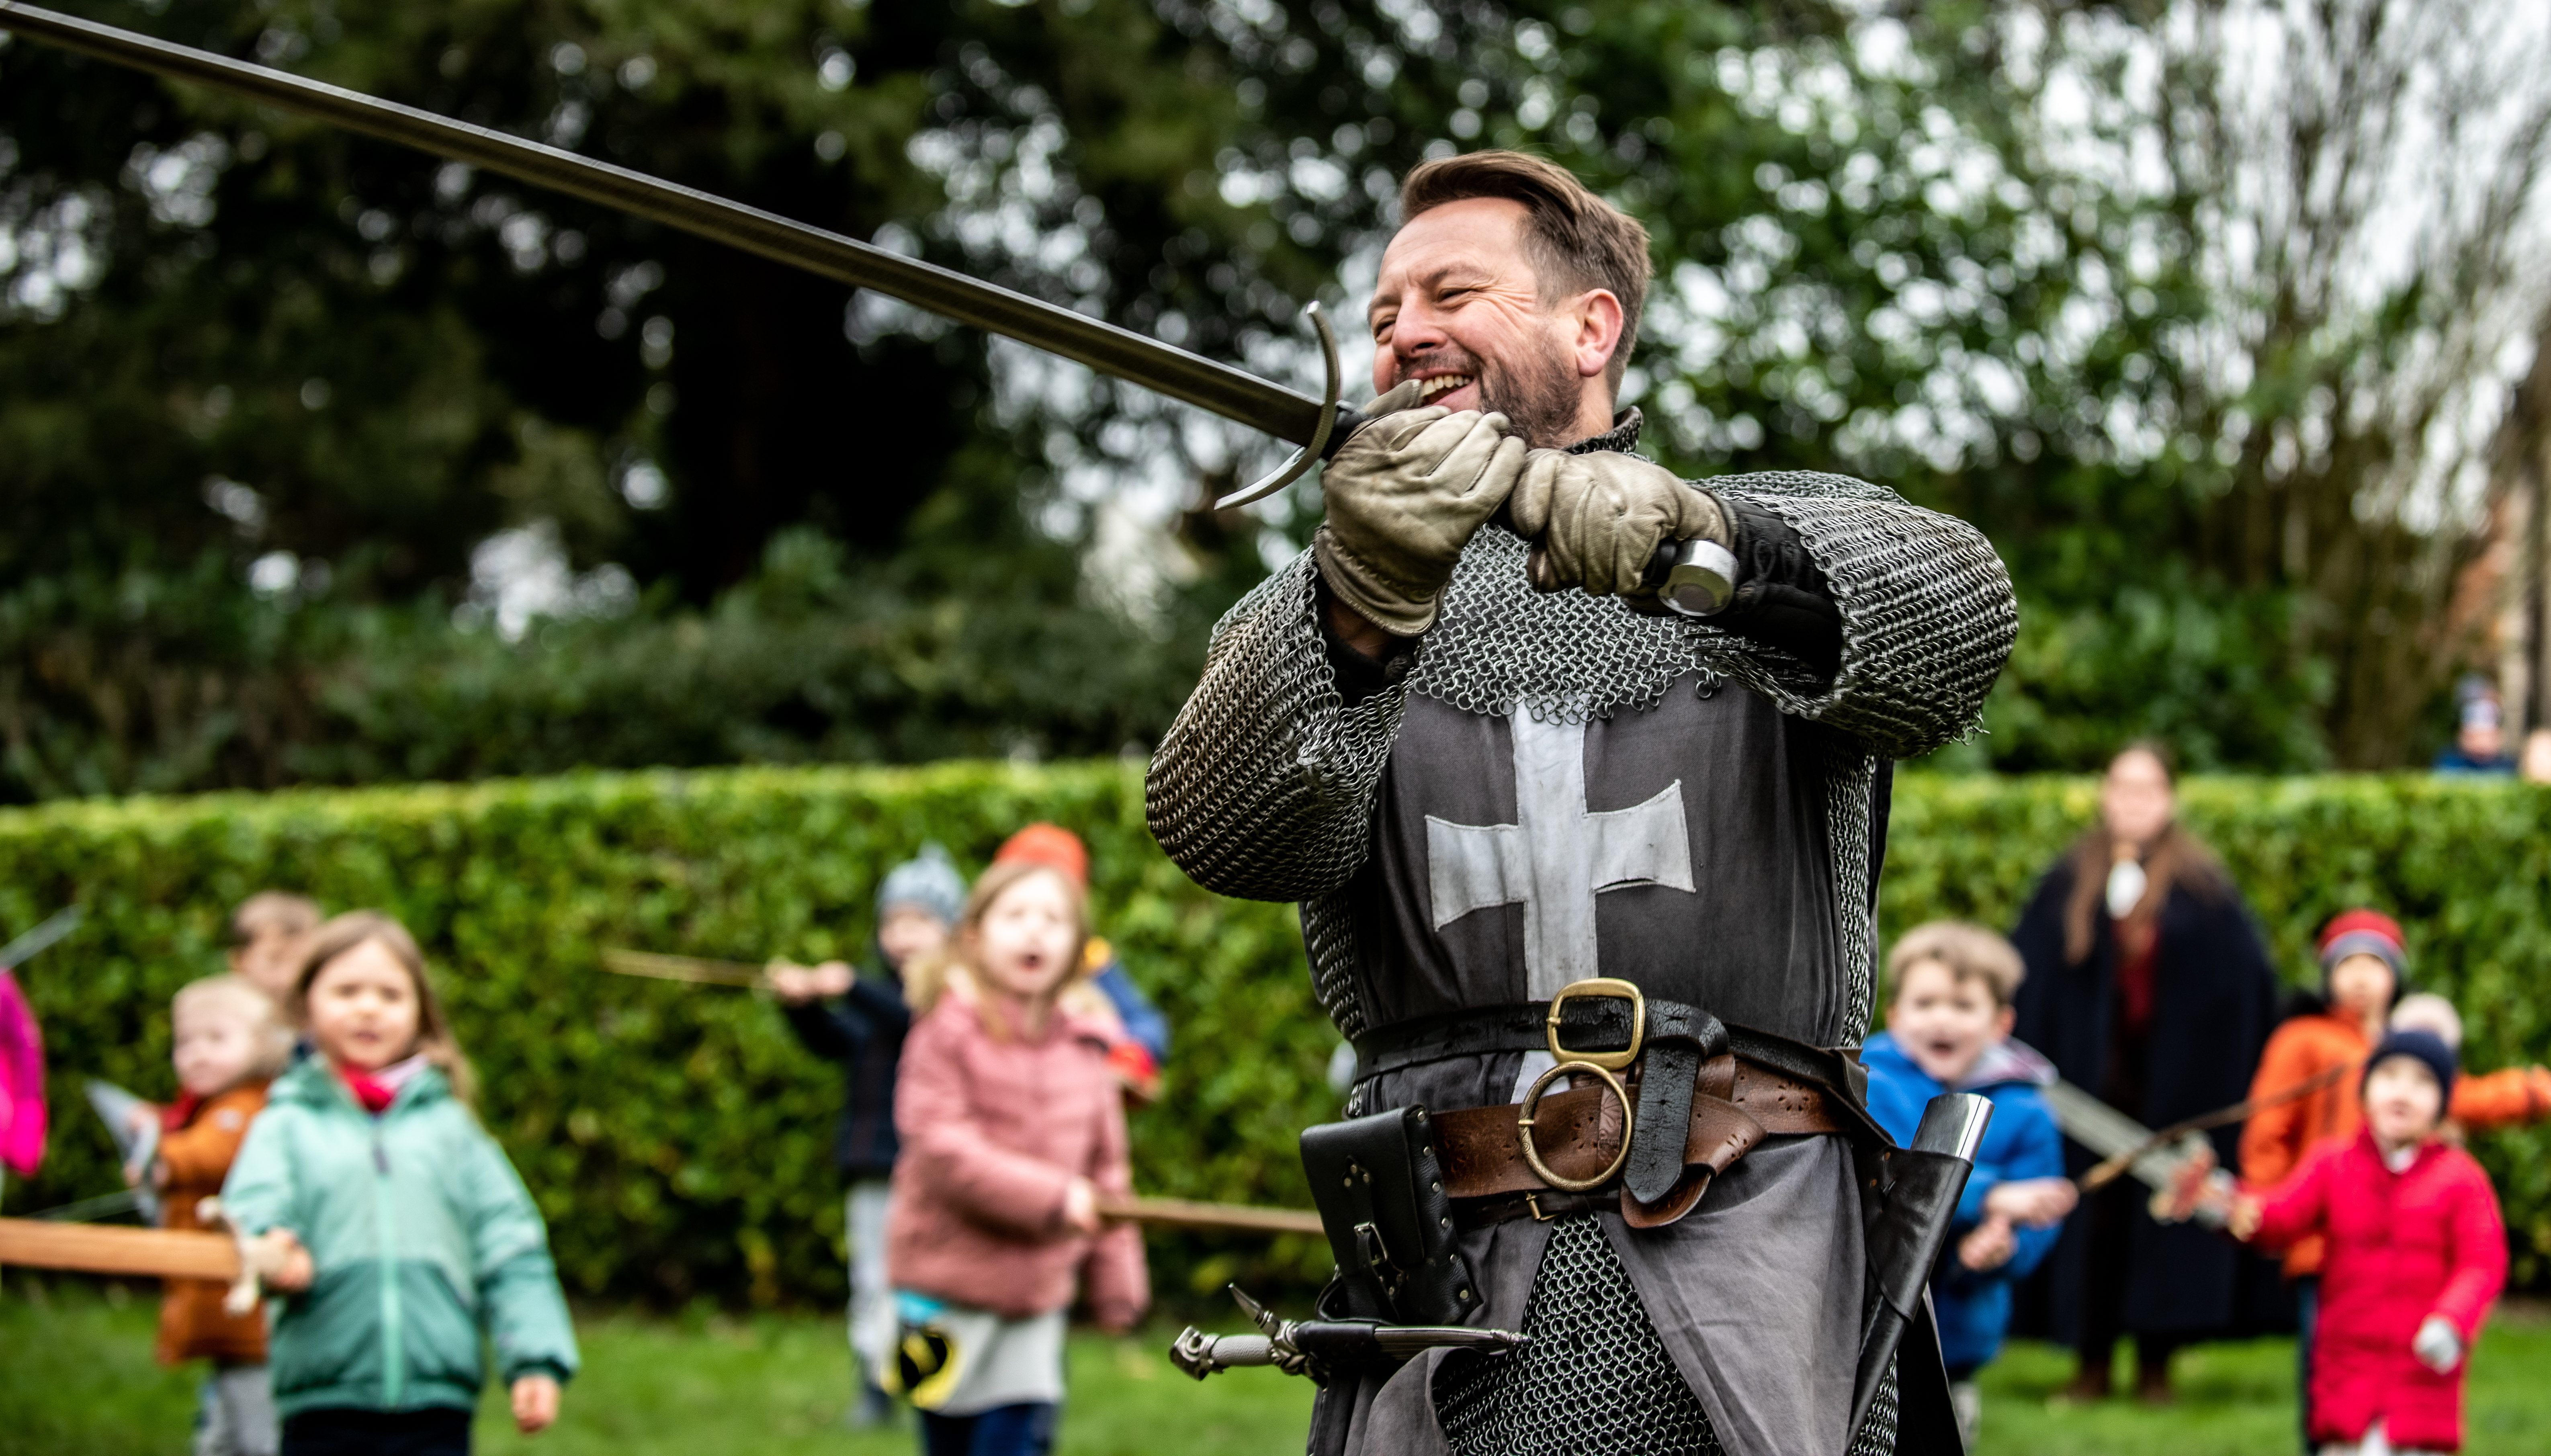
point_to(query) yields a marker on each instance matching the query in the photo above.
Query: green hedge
(679, 1139)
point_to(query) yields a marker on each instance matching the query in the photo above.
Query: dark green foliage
(679, 1139)
(376, 362)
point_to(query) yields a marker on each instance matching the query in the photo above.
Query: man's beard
(1540, 394)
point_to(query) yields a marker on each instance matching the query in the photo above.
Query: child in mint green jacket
(390, 1222)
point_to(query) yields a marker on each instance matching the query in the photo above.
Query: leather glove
(1405, 493)
(1596, 520)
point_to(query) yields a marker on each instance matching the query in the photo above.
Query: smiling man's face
(1458, 306)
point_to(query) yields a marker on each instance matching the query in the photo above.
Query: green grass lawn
(76, 1375)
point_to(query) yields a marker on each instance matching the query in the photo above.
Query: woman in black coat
(2148, 985)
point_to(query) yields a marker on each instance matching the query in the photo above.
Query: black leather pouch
(1380, 1194)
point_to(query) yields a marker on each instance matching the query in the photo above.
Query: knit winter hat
(1050, 845)
(2364, 933)
(2428, 1047)
(928, 881)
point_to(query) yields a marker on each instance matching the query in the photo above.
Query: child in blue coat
(1948, 1029)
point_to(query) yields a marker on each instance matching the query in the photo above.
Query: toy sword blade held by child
(102, 1248)
(696, 970)
(52, 929)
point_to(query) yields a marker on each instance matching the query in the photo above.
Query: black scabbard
(1921, 1186)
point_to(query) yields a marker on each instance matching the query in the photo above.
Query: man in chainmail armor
(1464, 733)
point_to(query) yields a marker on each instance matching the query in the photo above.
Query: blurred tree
(309, 436)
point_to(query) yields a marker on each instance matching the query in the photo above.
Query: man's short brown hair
(1576, 240)
(1969, 951)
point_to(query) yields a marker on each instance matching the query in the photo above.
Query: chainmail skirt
(1594, 1381)
(1595, 1378)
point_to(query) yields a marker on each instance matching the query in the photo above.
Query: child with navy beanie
(2414, 1254)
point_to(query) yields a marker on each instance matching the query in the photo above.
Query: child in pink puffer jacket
(1012, 1128)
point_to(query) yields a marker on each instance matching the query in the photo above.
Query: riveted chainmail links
(1263, 788)
(1595, 1380)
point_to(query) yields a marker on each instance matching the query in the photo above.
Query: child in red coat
(2415, 1255)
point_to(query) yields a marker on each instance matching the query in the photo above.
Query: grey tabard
(1681, 847)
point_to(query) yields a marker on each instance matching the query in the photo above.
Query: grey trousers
(237, 1414)
(872, 1318)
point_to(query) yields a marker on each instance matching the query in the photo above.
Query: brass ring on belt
(1532, 1155)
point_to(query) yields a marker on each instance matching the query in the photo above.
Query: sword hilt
(1335, 424)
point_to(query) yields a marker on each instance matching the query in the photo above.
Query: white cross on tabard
(1558, 856)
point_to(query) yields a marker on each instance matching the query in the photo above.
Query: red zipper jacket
(2398, 1247)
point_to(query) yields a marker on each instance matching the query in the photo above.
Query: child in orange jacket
(2510, 1097)
(230, 1041)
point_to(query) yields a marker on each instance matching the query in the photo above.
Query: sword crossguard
(1318, 448)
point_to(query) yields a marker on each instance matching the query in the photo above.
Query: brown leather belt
(1579, 1136)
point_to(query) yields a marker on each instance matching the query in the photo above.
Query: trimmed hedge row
(679, 1139)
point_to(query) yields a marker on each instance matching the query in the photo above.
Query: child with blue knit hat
(860, 1021)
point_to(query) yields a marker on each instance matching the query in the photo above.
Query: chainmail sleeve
(1927, 612)
(1263, 786)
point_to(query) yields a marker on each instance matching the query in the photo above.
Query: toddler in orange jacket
(230, 1041)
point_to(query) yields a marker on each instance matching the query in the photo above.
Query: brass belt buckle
(1601, 986)
(1532, 1154)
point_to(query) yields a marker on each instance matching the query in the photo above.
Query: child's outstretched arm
(2278, 1216)
(519, 1298)
(2513, 1097)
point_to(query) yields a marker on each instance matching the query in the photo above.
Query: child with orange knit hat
(1144, 1047)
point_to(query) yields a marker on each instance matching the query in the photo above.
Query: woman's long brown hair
(2175, 857)
(434, 1038)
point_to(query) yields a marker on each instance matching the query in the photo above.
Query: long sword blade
(1231, 394)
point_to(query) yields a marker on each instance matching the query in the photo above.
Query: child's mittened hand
(2437, 1344)
(536, 1403)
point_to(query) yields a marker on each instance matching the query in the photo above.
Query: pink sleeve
(945, 1153)
(2300, 1207)
(1117, 1277)
(2479, 1239)
(1118, 1280)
